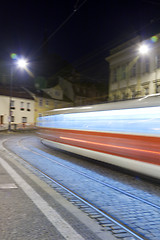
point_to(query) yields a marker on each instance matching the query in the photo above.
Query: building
(22, 108)
(134, 75)
(79, 89)
(48, 99)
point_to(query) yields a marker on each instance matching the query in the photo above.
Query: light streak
(109, 145)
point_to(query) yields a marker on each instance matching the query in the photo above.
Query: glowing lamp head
(143, 49)
(22, 63)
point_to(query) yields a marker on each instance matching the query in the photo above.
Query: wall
(17, 113)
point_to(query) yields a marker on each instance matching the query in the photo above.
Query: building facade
(48, 99)
(134, 75)
(21, 108)
(21, 114)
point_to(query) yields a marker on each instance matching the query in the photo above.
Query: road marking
(8, 186)
(57, 221)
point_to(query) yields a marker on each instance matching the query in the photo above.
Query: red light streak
(109, 145)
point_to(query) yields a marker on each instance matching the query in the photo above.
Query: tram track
(96, 180)
(105, 219)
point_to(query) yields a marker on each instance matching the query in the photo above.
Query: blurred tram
(125, 133)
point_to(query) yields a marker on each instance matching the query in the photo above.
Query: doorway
(1, 119)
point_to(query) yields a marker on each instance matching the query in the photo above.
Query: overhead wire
(105, 47)
(76, 8)
(152, 2)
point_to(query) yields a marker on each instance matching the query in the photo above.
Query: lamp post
(21, 63)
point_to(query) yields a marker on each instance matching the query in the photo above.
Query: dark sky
(95, 27)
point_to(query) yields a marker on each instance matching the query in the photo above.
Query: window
(56, 93)
(157, 88)
(22, 106)
(124, 72)
(47, 102)
(12, 104)
(146, 91)
(133, 94)
(12, 118)
(114, 76)
(28, 107)
(24, 119)
(1, 119)
(119, 73)
(147, 66)
(40, 102)
(133, 71)
(157, 60)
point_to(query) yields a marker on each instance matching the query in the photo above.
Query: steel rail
(98, 181)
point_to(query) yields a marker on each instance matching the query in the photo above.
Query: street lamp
(21, 63)
(143, 49)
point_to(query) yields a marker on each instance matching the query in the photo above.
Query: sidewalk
(19, 217)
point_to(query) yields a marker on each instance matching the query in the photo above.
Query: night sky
(95, 27)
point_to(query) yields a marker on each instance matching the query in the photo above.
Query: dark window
(1, 119)
(147, 66)
(12, 118)
(24, 119)
(28, 107)
(157, 60)
(115, 75)
(124, 72)
(12, 104)
(40, 102)
(22, 106)
(133, 71)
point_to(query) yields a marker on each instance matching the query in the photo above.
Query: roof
(40, 93)
(15, 92)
